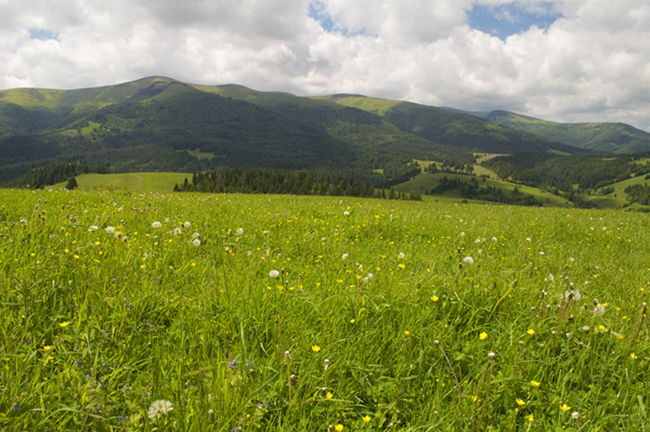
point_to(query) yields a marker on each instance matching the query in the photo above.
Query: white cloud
(590, 65)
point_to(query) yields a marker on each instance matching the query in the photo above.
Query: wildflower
(93, 228)
(110, 230)
(468, 260)
(535, 384)
(575, 415)
(366, 419)
(344, 257)
(434, 298)
(401, 255)
(315, 348)
(585, 329)
(530, 417)
(520, 402)
(156, 225)
(565, 407)
(601, 327)
(240, 231)
(177, 231)
(346, 213)
(47, 348)
(633, 356)
(186, 224)
(407, 333)
(196, 242)
(530, 332)
(293, 381)
(571, 259)
(274, 273)
(599, 310)
(159, 408)
(329, 395)
(483, 336)
(64, 324)
(16, 406)
(326, 364)
(338, 427)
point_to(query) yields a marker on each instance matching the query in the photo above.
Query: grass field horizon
(262, 312)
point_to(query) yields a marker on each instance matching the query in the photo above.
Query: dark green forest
(266, 181)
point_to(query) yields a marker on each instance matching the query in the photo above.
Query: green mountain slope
(156, 119)
(601, 137)
(347, 124)
(454, 129)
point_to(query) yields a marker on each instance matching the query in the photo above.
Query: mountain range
(161, 124)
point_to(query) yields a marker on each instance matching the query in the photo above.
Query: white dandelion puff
(156, 224)
(240, 231)
(93, 228)
(274, 273)
(468, 260)
(196, 242)
(401, 255)
(110, 230)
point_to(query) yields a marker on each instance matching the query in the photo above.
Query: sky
(564, 60)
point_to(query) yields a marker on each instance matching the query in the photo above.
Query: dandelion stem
(460, 393)
(478, 393)
(487, 394)
(639, 323)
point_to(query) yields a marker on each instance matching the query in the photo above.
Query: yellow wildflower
(482, 336)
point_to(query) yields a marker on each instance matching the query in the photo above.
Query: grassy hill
(454, 129)
(601, 137)
(157, 182)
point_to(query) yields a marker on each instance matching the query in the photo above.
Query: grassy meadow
(129, 311)
(131, 182)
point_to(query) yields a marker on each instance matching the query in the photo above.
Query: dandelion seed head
(156, 224)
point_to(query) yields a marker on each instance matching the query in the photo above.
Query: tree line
(292, 182)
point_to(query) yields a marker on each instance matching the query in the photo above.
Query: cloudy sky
(564, 60)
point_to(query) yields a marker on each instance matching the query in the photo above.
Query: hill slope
(601, 137)
(454, 129)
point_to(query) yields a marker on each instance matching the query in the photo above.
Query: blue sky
(508, 19)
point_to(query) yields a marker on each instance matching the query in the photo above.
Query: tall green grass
(98, 324)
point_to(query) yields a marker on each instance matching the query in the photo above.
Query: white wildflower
(274, 273)
(93, 228)
(186, 224)
(156, 224)
(240, 231)
(344, 257)
(159, 408)
(346, 213)
(401, 255)
(468, 260)
(110, 230)
(196, 242)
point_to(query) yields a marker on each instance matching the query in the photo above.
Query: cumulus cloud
(587, 60)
